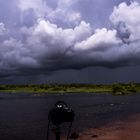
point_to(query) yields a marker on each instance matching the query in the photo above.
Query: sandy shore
(127, 129)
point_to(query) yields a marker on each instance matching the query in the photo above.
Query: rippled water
(25, 117)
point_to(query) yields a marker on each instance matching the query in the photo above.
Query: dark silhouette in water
(59, 114)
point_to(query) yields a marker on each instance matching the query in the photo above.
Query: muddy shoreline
(125, 129)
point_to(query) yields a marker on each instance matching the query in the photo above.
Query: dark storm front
(25, 117)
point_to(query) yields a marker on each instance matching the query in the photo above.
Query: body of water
(25, 117)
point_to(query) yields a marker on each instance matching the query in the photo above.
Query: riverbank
(42, 89)
(126, 129)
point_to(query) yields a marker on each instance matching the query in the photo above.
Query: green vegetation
(115, 89)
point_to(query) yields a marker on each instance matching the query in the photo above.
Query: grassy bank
(115, 89)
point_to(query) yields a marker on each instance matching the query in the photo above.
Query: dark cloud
(46, 36)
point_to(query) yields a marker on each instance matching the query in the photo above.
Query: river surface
(25, 117)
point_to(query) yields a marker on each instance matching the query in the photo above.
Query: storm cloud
(46, 36)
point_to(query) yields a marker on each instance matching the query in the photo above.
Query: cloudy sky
(64, 41)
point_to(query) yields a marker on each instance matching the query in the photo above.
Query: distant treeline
(116, 89)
